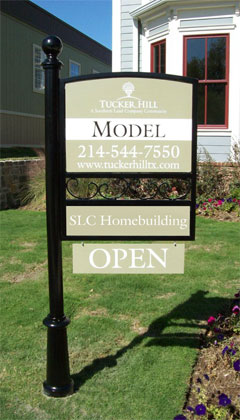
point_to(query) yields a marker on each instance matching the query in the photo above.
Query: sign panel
(128, 221)
(128, 259)
(128, 125)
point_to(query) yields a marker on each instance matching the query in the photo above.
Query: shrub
(211, 179)
(235, 181)
(33, 191)
(218, 187)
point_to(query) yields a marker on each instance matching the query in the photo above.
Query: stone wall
(13, 175)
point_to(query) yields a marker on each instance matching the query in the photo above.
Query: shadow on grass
(195, 310)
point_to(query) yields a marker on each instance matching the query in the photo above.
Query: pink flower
(210, 200)
(220, 202)
(211, 320)
(204, 208)
(234, 200)
(236, 309)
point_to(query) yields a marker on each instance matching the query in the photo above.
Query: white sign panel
(128, 258)
(128, 221)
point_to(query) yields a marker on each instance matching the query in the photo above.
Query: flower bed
(215, 383)
(225, 208)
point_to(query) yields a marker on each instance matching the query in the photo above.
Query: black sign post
(58, 382)
(65, 206)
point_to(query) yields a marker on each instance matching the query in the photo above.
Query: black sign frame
(191, 176)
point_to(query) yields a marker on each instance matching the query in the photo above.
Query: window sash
(74, 68)
(38, 72)
(158, 57)
(206, 93)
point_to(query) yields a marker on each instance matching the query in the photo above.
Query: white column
(135, 45)
(174, 48)
(116, 35)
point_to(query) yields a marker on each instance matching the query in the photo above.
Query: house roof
(33, 15)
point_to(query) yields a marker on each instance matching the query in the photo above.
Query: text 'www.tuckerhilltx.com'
(142, 164)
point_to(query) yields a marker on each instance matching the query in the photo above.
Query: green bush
(18, 153)
(33, 191)
(235, 181)
(211, 179)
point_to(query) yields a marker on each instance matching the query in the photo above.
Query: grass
(133, 340)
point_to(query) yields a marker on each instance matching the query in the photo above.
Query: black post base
(58, 391)
(58, 382)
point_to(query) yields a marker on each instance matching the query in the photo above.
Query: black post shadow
(197, 308)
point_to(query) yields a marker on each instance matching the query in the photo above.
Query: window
(38, 72)
(206, 58)
(74, 68)
(158, 57)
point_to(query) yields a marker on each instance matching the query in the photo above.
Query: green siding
(17, 93)
(87, 63)
(17, 68)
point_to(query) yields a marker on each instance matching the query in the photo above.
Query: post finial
(52, 46)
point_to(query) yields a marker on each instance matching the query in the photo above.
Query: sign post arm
(58, 382)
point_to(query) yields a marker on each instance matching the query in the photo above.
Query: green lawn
(133, 340)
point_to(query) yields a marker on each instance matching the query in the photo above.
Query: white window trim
(202, 132)
(199, 29)
(78, 64)
(94, 71)
(158, 37)
(43, 56)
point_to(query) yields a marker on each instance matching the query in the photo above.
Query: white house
(191, 38)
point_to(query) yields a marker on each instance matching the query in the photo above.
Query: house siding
(17, 65)
(218, 147)
(22, 130)
(22, 108)
(127, 33)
